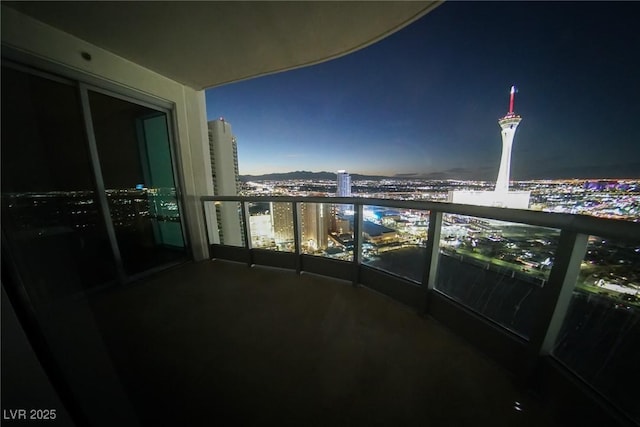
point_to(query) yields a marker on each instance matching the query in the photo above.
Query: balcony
(326, 339)
(454, 336)
(519, 289)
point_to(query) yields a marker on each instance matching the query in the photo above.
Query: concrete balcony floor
(219, 342)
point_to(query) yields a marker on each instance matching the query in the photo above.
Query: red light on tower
(513, 94)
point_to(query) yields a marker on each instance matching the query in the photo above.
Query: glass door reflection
(51, 219)
(133, 146)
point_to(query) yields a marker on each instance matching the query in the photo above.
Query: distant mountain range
(318, 176)
(449, 174)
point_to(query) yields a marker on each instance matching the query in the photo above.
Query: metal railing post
(297, 235)
(244, 208)
(206, 228)
(564, 296)
(433, 254)
(555, 297)
(357, 241)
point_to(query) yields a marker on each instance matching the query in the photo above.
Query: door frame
(84, 82)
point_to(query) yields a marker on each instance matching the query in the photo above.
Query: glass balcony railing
(225, 223)
(496, 268)
(395, 240)
(271, 226)
(542, 279)
(599, 339)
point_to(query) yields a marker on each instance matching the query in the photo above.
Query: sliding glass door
(135, 160)
(88, 189)
(51, 221)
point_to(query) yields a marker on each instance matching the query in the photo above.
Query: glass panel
(135, 157)
(496, 268)
(600, 337)
(50, 213)
(224, 222)
(271, 225)
(327, 230)
(395, 240)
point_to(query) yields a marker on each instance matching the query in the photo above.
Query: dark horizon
(426, 100)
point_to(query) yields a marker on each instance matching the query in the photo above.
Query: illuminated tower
(501, 196)
(509, 124)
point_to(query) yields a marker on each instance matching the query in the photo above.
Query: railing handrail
(602, 227)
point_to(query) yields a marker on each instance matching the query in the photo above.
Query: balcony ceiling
(206, 44)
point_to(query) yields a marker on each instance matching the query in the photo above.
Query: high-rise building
(343, 184)
(343, 189)
(509, 123)
(314, 224)
(283, 223)
(223, 150)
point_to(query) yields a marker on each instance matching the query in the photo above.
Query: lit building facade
(261, 231)
(314, 224)
(343, 184)
(223, 150)
(282, 214)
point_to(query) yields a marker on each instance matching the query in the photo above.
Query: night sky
(426, 100)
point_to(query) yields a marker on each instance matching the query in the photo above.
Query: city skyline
(425, 100)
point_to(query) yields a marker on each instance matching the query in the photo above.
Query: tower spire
(513, 95)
